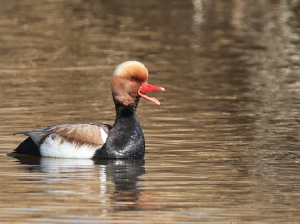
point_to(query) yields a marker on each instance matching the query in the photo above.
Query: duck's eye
(132, 79)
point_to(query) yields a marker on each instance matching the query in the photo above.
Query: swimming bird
(124, 139)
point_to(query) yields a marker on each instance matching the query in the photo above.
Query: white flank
(54, 148)
(103, 135)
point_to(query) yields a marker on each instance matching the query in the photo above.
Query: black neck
(125, 139)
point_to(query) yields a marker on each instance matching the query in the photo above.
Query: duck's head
(129, 83)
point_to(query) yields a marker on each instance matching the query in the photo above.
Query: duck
(123, 140)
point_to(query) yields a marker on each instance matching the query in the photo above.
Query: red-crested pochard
(124, 139)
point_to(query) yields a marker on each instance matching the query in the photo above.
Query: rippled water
(222, 147)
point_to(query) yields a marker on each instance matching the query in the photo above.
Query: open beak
(149, 88)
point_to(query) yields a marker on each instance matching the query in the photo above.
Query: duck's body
(66, 141)
(124, 139)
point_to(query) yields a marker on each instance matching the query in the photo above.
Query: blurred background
(223, 146)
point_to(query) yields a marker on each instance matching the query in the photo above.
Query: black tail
(27, 147)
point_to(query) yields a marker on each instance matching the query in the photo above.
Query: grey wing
(89, 133)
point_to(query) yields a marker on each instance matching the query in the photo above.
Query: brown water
(222, 147)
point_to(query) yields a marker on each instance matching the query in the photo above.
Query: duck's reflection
(125, 174)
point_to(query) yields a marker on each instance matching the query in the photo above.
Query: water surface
(223, 145)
